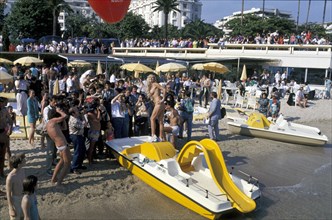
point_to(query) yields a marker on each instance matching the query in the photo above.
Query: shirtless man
(14, 186)
(93, 116)
(154, 93)
(174, 119)
(55, 133)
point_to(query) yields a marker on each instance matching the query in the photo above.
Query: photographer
(118, 116)
(93, 116)
(76, 126)
(130, 103)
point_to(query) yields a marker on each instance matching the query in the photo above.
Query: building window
(185, 6)
(184, 13)
(174, 14)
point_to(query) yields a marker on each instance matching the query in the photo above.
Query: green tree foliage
(2, 16)
(166, 6)
(78, 25)
(132, 26)
(316, 29)
(199, 29)
(253, 24)
(30, 18)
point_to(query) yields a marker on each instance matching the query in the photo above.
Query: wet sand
(295, 179)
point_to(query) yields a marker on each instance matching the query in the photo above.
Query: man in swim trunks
(174, 119)
(55, 133)
(93, 116)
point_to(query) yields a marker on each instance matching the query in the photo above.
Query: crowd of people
(87, 45)
(81, 111)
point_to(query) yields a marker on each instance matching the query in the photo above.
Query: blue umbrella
(27, 40)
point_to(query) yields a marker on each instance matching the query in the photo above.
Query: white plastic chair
(252, 102)
(239, 101)
(225, 98)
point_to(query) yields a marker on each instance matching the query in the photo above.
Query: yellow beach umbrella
(215, 67)
(171, 67)
(27, 61)
(79, 63)
(244, 73)
(56, 89)
(5, 77)
(136, 67)
(99, 69)
(198, 66)
(5, 61)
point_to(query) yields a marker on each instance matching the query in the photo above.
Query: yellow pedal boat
(196, 178)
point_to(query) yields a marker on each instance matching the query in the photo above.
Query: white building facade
(254, 11)
(189, 10)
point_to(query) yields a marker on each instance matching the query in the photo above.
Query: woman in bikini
(154, 93)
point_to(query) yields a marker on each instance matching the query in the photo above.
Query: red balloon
(111, 11)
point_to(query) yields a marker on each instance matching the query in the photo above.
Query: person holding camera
(54, 131)
(93, 116)
(76, 126)
(118, 115)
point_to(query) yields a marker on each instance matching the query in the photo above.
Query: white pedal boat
(196, 178)
(257, 125)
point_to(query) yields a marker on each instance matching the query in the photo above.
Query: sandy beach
(295, 179)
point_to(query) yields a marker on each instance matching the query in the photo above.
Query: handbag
(41, 128)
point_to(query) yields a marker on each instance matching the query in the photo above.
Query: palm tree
(263, 9)
(55, 5)
(298, 15)
(306, 22)
(166, 6)
(324, 12)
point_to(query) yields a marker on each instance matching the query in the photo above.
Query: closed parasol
(244, 73)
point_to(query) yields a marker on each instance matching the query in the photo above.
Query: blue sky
(213, 10)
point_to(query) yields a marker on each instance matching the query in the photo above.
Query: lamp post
(55, 18)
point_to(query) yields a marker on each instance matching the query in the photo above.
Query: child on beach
(14, 186)
(29, 201)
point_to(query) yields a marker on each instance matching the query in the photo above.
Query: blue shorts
(93, 135)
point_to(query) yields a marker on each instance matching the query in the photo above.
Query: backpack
(222, 112)
(188, 106)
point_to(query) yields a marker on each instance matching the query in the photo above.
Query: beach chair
(252, 102)
(225, 98)
(239, 100)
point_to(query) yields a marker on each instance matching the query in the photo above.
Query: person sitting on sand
(14, 186)
(300, 99)
(154, 91)
(55, 133)
(174, 119)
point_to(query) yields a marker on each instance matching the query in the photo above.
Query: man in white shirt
(69, 82)
(112, 78)
(300, 99)
(277, 77)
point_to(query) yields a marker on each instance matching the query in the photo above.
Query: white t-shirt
(69, 84)
(112, 78)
